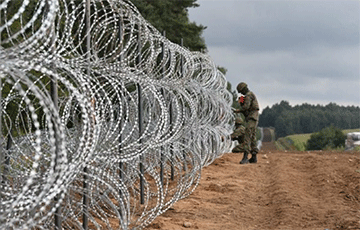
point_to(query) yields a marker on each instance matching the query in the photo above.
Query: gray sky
(298, 51)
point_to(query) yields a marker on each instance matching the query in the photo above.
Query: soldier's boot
(253, 158)
(245, 158)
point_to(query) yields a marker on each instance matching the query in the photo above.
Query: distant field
(300, 137)
(299, 140)
(306, 136)
(350, 130)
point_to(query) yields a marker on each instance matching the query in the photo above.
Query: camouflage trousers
(248, 142)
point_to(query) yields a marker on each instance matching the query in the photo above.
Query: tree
(327, 138)
(223, 71)
(173, 17)
(267, 117)
(308, 118)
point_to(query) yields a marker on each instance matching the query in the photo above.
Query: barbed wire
(105, 122)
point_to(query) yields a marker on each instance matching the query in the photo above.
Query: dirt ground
(284, 190)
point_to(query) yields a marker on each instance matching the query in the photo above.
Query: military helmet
(241, 86)
(238, 120)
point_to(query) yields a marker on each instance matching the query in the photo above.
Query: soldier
(249, 106)
(238, 135)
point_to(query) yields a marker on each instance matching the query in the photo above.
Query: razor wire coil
(105, 123)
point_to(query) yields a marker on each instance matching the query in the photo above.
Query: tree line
(307, 118)
(173, 18)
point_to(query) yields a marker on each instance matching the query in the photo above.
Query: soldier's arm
(246, 105)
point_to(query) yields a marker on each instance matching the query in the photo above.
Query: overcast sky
(298, 51)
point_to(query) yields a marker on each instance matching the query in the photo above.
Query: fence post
(171, 145)
(162, 157)
(182, 75)
(2, 168)
(140, 111)
(121, 164)
(7, 157)
(57, 146)
(172, 172)
(123, 117)
(55, 99)
(86, 171)
(1, 150)
(54, 96)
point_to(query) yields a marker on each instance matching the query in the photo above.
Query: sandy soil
(284, 190)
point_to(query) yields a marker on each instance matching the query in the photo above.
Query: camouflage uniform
(250, 109)
(238, 135)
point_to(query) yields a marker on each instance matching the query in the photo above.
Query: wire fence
(105, 123)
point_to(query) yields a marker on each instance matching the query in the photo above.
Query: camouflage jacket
(250, 107)
(238, 132)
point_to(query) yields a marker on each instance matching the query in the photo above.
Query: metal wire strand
(105, 123)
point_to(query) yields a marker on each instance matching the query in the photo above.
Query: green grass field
(305, 137)
(299, 140)
(345, 131)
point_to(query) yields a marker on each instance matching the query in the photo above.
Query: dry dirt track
(284, 190)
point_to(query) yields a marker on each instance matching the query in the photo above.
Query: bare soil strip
(284, 190)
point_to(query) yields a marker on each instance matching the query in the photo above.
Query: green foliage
(284, 144)
(306, 118)
(279, 146)
(258, 134)
(12, 8)
(299, 141)
(172, 17)
(327, 138)
(223, 71)
(306, 136)
(300, 146)
(300, 137)
(235, 103)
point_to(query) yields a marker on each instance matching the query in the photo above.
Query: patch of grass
(284, 143)
(300, 137)
(300, 146)
(299, 140)
(306, 136)
(357, 148)
(339, 148)
(279, 146)
(345, 131)
(258, 134)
